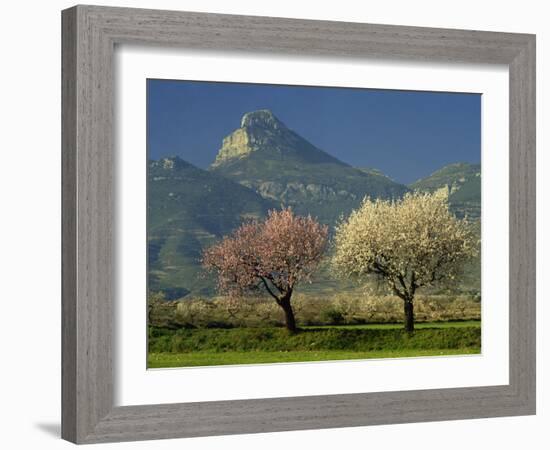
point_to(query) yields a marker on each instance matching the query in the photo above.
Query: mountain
(261, 131)
(463, 180)
(260, 166)
(451, 175)
(374, 172)
(189, 208)
(283, 167)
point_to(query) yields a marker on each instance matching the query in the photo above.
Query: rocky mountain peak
(261, 133)
(262, 118)
(259, 130)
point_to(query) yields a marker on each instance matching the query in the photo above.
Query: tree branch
(397, 292)
(405, 288)
(380, 269)
(264, 281)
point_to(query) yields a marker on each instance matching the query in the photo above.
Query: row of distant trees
(407, 244)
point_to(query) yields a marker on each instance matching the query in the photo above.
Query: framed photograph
(335, 219)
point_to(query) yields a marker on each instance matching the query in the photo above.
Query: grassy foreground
(164, 360)
(206, 347)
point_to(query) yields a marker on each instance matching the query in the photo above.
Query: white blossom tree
(408, 243)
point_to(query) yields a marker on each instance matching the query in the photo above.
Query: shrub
(350, 307)
(331, 316)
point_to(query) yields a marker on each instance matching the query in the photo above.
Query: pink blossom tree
(272, 256)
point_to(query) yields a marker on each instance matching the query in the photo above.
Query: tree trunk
(409, 316)
(289, 313)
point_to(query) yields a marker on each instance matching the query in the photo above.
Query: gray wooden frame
(89, 36)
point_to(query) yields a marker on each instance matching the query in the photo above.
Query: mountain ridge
(189, 208)
(463, 182)
(280, 165)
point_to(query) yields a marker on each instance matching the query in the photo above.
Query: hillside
(187, 209)
(281, 166)
(464, 183)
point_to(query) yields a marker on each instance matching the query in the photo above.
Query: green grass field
(164, 360)
(215, 346)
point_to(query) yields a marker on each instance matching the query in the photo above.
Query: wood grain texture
(523, 224)
(89, 37)
(68, 225)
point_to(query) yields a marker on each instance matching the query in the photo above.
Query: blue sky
(405, 134)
